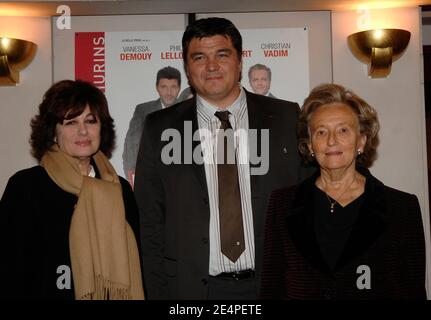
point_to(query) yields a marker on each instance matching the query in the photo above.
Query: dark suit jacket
(35, 217)
(387, 237)
(173, 199)
(133, 135)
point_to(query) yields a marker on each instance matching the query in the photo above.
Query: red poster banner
(90, 58)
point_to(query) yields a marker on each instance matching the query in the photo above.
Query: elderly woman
(342, 234)
(68, 225)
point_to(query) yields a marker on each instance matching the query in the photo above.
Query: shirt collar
(163, 105)
(237, 108)
(92, 172)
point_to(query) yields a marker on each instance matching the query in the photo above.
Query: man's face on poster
(168, 90)
(260, 82)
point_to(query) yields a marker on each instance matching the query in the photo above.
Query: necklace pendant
(332, 208)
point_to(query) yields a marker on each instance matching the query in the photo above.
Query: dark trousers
(231, 289)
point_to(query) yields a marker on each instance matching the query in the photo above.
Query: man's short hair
(259, 66)
(210, 27)
(168, 73)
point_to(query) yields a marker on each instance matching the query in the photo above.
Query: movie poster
(285, 52)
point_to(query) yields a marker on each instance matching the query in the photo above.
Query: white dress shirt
(238, 119)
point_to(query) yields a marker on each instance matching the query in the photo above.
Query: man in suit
(189, 246)
(168, 84)
(259, 77)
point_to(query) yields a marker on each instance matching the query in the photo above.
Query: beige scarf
(103, 249)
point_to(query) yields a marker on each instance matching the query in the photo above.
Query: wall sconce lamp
(379, 48)
(15, 55)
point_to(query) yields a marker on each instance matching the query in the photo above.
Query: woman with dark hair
(342, 234)
(68, 225)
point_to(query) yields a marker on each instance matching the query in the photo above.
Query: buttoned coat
(384, 257)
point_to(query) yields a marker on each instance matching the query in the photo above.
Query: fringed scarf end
(107, 290)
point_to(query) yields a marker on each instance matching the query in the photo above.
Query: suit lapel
(257, 120)
(189, 114)
(158, 105)
(300, 224)
(370, 222)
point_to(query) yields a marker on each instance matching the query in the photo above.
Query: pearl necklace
(332, 204)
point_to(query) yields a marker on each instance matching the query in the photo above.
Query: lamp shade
(15, 55)
(379, 48)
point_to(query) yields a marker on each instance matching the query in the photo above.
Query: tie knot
(223, 115)
(224, 118)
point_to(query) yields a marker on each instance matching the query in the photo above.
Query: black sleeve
(149, 194)
(132, 213)
(18, 264)
(273, 259)
(413, 247)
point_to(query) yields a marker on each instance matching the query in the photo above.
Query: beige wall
(398, 100)
(18, 104)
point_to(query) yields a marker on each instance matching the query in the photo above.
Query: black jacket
(35, 217)
(387, 237)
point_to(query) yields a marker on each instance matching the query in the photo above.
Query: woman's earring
(312, 154)
(359, 152)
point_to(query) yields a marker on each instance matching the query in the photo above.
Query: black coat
(173, 199)
(387, 237)
(35, 217)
